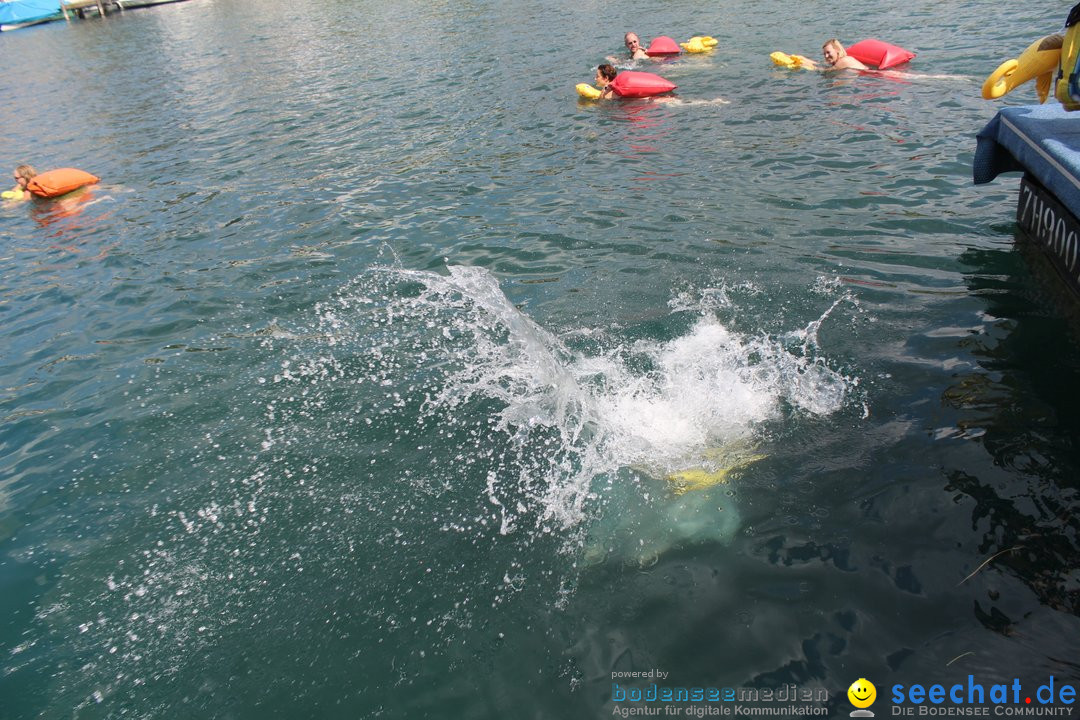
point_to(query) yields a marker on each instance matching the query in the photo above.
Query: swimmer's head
(833, 51)
(23, 175)
(633, 44)
(605, 74)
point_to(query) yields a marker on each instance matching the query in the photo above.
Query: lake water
(358, 386)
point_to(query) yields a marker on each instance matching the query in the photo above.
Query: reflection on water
(1018, 404)
(67, 213)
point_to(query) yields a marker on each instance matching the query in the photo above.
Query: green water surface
(353, 388)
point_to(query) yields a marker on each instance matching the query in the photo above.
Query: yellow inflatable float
(699, 44)
(587, 91)
(791, 62)
(1038, 62)
(15, 193)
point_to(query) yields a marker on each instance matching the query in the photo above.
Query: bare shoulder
(849, 63)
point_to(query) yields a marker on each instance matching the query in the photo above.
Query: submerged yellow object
(586, 90)
(730, 460)
(15, 193)
(1038, 61)
(699, 44)
(792, 62)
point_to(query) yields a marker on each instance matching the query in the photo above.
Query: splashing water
(564, 421)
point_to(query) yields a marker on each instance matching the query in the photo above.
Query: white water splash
(563, 419)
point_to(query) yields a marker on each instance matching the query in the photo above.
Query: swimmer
(605, 75)
(633, 46)
(637, 85)
(51, 184)
(22, 175)
(838, 59)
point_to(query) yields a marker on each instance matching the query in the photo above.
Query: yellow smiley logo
(862, 693)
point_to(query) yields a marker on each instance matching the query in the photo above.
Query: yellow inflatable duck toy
(791, 62)
(699, 44)
(1038, 61)
(587, 91)
(15, 193)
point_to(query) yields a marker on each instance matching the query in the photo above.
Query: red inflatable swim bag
(878, 53)
(634, 84)
(60, 181)
(663, 45)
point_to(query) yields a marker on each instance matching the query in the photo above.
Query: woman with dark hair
(605, 75)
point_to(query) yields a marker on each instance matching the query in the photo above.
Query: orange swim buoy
(663, 46)
(637, 84)
(59, 182)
